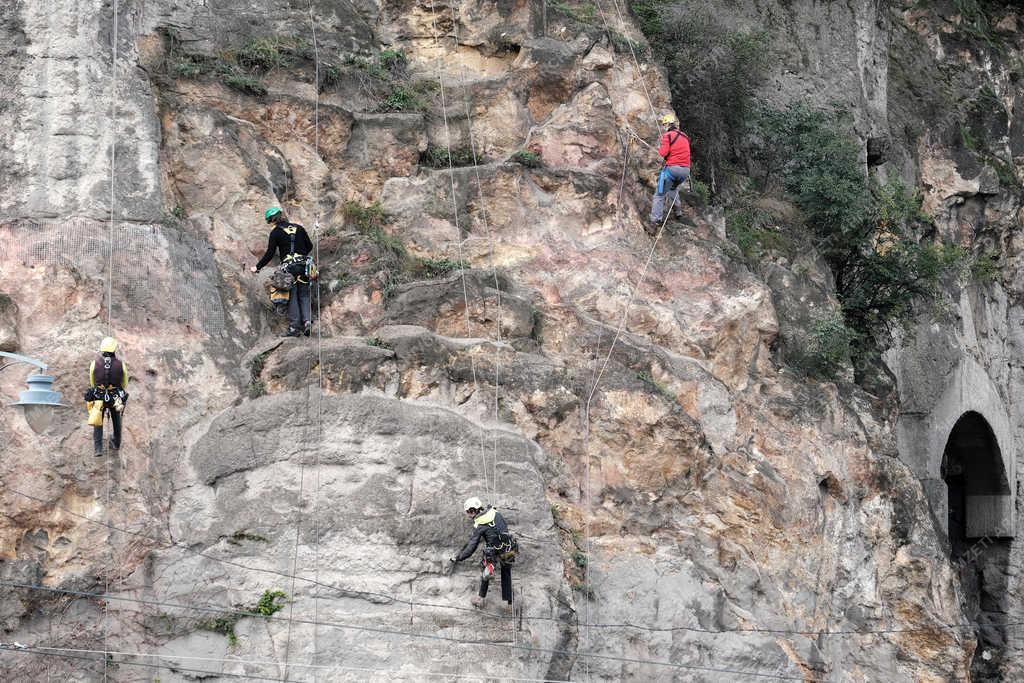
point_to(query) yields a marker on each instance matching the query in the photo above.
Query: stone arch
(976, 480)
(923, 436)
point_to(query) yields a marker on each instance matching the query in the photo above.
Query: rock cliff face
(688, 507)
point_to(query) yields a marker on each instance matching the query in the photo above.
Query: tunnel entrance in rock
(976, 481)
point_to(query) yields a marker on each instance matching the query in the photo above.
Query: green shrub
(188, 66)
(402, 99)
(527, 158)
(330, 76)
(755, 232)
(268, 604)
(394, 61)
(441, 157)
(266, 54)
(432, 268)
(829, 346)
(244, 83)
(985, 269)
(584, 13)
(365, 217)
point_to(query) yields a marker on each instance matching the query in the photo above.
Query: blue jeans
(670, 180)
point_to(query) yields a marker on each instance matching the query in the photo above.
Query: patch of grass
(438, 267)
(224, 625)
(394, 61)
(178, 212)
(583, 13)
(244, 83)
(330, 76)
(755, 232)
(377, 342)
(828, 347)
(402, 99)
(189, 66)
(985, 269)
(579, 559)
(435, 156)
(365, 217)
(527, 158)
(271, 602)
(266, 54)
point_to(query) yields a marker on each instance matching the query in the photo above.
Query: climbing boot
(292, 332)
(112, 446)
(98, 452)
(308, 328)
(477, 602)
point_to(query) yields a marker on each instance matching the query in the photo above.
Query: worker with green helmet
(108, 381)
(675, 150)
(293, 246)
(500, 547)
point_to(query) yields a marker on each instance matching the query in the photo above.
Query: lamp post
(39, 400)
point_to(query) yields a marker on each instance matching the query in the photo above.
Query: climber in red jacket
(675, 150)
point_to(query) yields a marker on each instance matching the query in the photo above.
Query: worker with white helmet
(500, 547)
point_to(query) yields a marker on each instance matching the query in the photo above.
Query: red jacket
(675, 149)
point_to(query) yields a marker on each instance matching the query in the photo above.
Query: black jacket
(280, 241)
(490, 531)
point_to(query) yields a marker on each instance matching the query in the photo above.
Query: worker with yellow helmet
(675, 150)
(108, 381)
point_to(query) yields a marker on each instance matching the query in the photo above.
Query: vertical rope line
(319, 342)
(458, 228)
(636, 62)
(112, 133)
(490, 249)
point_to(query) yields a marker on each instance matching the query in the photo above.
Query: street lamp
(39, 400)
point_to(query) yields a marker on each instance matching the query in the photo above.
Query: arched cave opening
(976, 481)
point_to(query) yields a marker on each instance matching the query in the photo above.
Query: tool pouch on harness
(508, 549)
(279, 286)
(95, 413)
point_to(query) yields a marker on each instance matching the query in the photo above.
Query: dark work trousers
(97, 432)
(299, 313)
(506, 581)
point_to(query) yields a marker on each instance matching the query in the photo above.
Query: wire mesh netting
(158, 273)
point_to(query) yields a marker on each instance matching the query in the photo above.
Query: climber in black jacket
(499, 546)
(292, 244)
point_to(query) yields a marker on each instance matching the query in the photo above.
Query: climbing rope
(458, 230)
(112, 134)
(320, 382)
(490, 249)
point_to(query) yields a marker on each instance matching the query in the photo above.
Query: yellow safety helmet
(667, 119)
(473, 503)
(108, 345)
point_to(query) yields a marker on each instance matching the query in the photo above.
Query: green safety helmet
(270, 213)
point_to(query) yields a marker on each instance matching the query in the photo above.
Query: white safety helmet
(473, 503)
